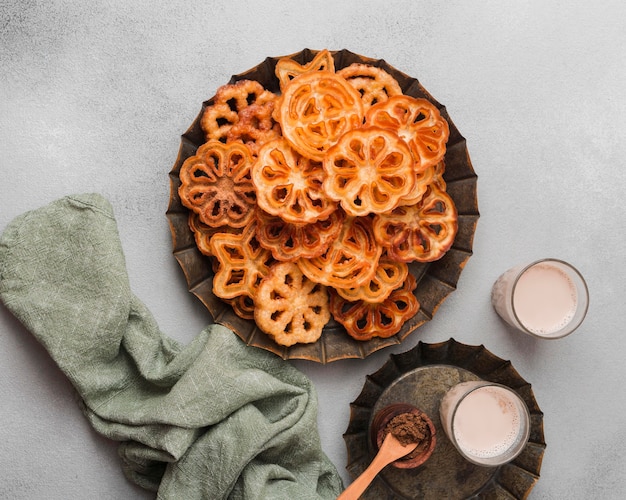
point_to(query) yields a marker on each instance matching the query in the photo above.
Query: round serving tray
(435, 280)
(420, 377)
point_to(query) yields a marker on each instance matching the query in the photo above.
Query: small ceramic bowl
(378, 433)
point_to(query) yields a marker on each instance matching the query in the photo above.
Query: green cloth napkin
(213, 419)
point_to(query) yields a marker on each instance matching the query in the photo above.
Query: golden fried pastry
(202, 233)
(287, 69)
(423, 232)
(216, 184)
(243, 306)
(217, 120)
(255, 126)
(439, 170)
(310, 204)
(374, 84)
(368, 171)
(423, 179)
(364, 321)
(389, 276)
(315, 110)
(289, 307)
(243, 262)
(289, 185)
(239, 95)
(418, 122)
(350, 260)
(229, 102)
(290, 242)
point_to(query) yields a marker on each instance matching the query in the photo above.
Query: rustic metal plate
(420, 377)
(435, 280)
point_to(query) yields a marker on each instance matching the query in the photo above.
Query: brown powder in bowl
(409, 428)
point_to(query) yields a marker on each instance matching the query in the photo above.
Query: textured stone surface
(95, 95)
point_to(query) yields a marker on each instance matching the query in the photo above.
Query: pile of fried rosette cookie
(312, 201)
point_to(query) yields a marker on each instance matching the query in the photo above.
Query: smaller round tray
(421, 377)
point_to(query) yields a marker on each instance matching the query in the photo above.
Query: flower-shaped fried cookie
(423, 179)
(243, 263)
(289, 307)
(287, 69)
(368, 171)
(315, 110)
(228, 106)
(418, 122)
(289, 185)
(350, 260)
(243, 306)
(310, 202)
(290, 242)
(255, 126)
(423, 232)
(364, 321)
(389, 276)
(216, 184)
(374, 84)
(202, 233)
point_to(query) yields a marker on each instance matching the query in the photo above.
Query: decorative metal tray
(435, 280)
(420, 377)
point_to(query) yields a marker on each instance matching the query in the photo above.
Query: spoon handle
(389, 451)
(360, 484)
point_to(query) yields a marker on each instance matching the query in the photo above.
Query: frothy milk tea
(488, 423)
(547, 299)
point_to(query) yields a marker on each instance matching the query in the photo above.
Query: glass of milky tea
(488, 423)
(546, 299)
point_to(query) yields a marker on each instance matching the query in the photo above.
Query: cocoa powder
(408, 428)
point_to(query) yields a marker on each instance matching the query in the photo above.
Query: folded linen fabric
(212, 419)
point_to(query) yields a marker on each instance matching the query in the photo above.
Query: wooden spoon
(390, 451)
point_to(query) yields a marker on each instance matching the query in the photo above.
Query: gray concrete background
(94, 97)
